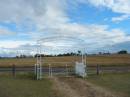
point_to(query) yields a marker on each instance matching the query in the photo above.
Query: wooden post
(97, 69)
(66, 70)
(13, 70)
(49, 70)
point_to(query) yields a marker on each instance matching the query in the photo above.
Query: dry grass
(109, 60)
(91, 60)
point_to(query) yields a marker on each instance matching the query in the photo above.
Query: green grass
(24, 86)
(117, 83)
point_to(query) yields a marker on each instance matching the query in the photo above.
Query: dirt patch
(63, 89)
(76, 87)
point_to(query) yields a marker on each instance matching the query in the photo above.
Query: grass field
(91, 60)
(25, 86)
(117, 83)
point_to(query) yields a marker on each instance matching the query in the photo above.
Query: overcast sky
(101, 24)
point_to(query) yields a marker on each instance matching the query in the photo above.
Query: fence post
(66, 70)
(51, 70)
(97, 69)
(13, 70)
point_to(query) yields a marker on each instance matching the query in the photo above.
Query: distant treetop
(123, 52)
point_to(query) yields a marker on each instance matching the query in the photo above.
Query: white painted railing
(80, 69)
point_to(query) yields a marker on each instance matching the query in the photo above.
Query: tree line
(66, 54)
(71, 54)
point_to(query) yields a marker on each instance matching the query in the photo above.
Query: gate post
(50, 70)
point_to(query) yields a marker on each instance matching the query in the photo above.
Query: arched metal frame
(80, 44)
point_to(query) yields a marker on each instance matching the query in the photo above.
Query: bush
(123, 52)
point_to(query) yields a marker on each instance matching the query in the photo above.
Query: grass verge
(25, 87)
(118, 83)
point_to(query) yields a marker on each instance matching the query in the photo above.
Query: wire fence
(65, 70)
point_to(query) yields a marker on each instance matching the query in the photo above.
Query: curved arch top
(76, 40)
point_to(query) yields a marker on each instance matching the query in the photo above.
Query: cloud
(13, 43)
(20, 9)
(94, 36)
(4, 31)
(121, 18)
(50, 18)
(117, 6)
(38, 11)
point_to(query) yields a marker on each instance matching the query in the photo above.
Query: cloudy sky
(101, 24)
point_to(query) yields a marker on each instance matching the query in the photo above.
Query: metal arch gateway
(78, 43)
(52, 38)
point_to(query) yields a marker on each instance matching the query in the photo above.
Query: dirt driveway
(77, 87)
